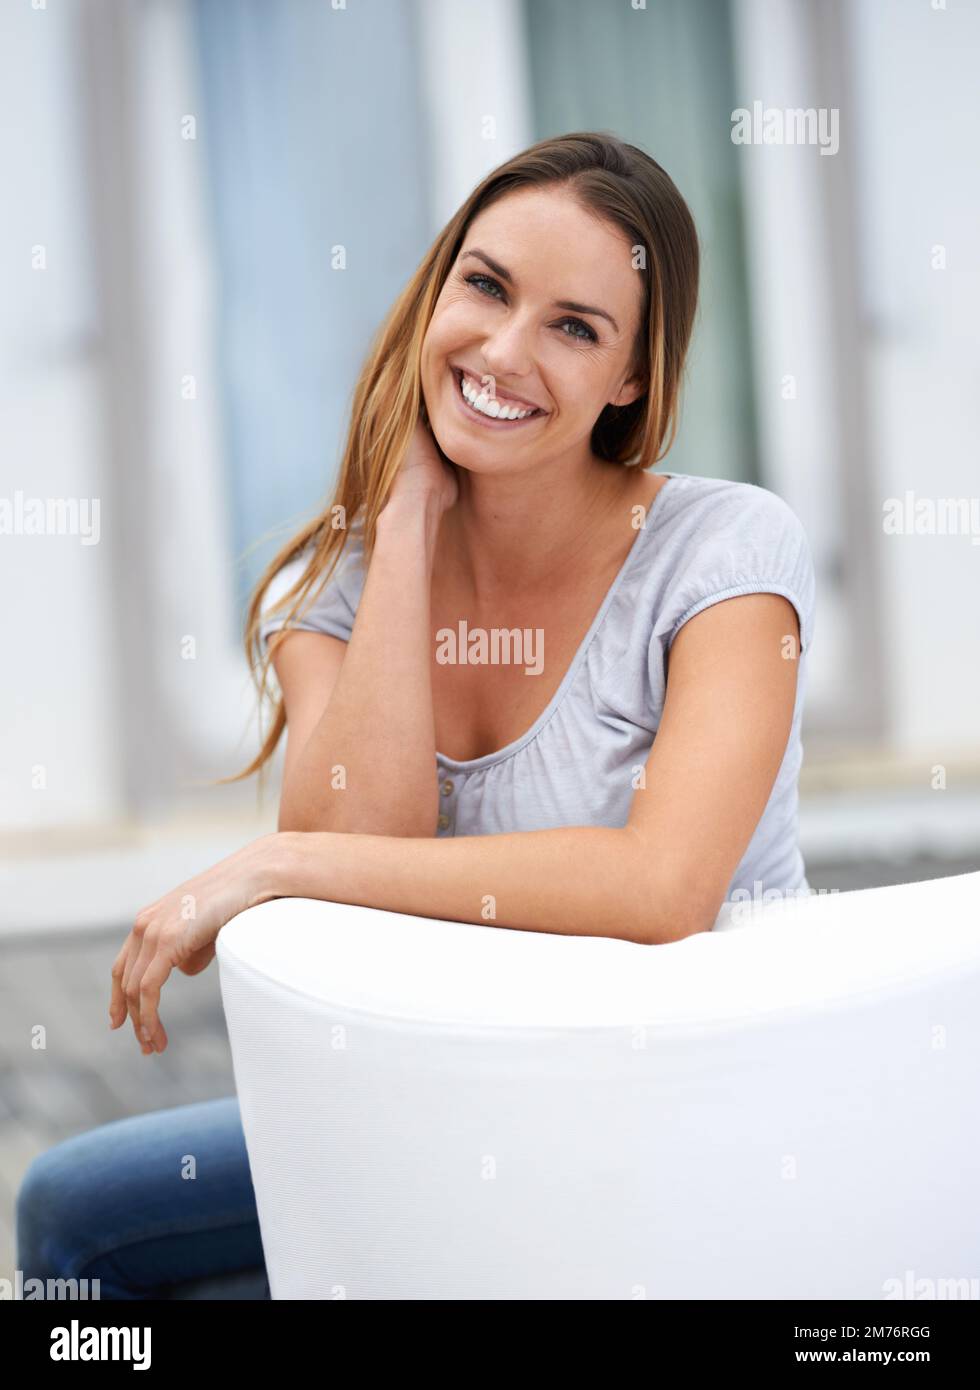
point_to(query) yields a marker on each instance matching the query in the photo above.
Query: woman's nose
(506, 352)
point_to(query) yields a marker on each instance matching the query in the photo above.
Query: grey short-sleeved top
(704, 540)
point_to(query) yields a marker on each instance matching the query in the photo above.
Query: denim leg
(154, 1206)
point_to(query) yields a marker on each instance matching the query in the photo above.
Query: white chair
(784, 1107)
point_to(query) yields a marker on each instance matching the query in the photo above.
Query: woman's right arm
(360, 753)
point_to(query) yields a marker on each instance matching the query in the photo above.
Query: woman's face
(504, 321)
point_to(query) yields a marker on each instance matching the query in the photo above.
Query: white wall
(57, 698)
(917, 121)
(476, 95)
(94, 352)
(882, 345)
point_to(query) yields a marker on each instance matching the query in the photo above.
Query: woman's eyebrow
(559, 303)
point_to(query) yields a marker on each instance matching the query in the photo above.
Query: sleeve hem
(325, 628)
(759, 586)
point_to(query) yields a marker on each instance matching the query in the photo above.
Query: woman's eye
(484, 280)
(588, 335)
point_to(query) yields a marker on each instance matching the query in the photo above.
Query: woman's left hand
(179, 930)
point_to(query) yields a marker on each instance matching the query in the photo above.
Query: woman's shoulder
(721, 504)
(332, 604)
(715, 538)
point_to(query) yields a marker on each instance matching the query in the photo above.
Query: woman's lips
(487, 420)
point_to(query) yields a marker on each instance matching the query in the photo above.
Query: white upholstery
(783, 1107)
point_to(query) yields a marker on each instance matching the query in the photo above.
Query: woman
(473, 647)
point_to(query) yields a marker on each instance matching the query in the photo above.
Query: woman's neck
(520, 533)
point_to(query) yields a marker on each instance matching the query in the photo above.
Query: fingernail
(145, 1034)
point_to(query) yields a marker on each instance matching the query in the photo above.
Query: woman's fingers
(117, 1000)
(141, 953)
(119, 1005)
(149, 986)
(138, 974)
(179, 930)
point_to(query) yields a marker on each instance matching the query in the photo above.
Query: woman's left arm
(659, 878)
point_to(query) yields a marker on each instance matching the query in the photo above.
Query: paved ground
(87, 1075)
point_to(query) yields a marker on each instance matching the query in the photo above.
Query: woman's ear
(631, 390)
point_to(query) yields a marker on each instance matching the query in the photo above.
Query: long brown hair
(610, 178)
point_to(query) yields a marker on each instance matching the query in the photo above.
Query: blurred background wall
(208, 208)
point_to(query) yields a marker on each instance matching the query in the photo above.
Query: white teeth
(480, 401)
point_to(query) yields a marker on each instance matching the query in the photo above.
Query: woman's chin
(477, 455)
(472, 446)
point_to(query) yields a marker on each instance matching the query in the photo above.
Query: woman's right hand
(424, 472)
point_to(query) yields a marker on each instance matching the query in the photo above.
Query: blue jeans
(154, 1206)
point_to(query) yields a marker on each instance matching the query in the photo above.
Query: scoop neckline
(509, 749)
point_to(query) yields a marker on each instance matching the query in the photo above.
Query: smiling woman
(487, 399)
(563, 293)
(648, 766)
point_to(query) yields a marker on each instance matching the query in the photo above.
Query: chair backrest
(784, 1107)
